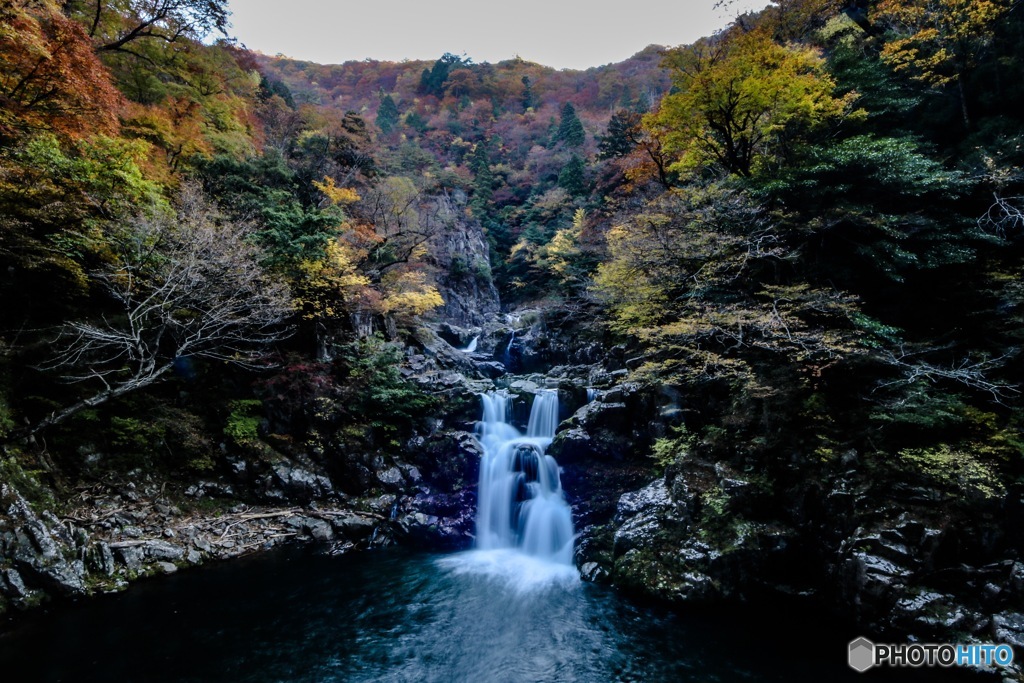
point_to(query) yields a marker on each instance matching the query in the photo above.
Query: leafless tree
(973, 374)
(187, 285)
(1004, 217)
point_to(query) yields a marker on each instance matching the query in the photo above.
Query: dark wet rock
(641, 515)
(639, 570)
(491, 369)
(870, 577)
(926, 605)
(206, 489)
(435, 356)
(294, 522)
(447, 461)
(12, 585)
(354, 527)
(99, 559)
(411, 473)
(391, 478)
(531, 385)
(1008, 627)
(40, 548)
(293, 483)
(602, 449)
(458, 337)
(66, 579)
(439, 521)
(885, 546)
(592, 571)
(536, 340)
(653, 499)
(161, 551)
(618, 427)
(42, 543)
(384, 506)
(444, 370)
(317, 529)
(131, 556)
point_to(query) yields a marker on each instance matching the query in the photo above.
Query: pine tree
(572, 178)
(527, 94)
(387, 115)
(432, 81)
(416, 122)
(483, 179)
(621, 138)
(570, 130)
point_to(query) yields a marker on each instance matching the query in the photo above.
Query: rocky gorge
(899, 559)
(657, 515)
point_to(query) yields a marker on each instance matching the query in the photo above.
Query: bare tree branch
(184, 286)
(166, 20)
(970, 373)
(1005, 215)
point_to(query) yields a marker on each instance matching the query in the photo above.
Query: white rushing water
(521, 506)
(471, 346)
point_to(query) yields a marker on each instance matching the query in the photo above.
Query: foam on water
(513, 569)
(521, 507)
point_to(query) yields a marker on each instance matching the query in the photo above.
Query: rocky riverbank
(901, 556)
(114, 536)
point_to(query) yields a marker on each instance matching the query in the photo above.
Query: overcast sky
(561, 33)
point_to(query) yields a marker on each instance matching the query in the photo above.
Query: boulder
(439, 521)
(447, 461)
(391, 478)
(297, 484)
(12, 585)
(161, 551)
(317, 529)
(1008, 627)
(354, 527)
(99, 559)
(40, 548)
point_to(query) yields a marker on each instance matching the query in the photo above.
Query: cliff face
(459, 251)
(896, 556)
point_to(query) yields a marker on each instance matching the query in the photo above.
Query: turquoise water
(302, 616)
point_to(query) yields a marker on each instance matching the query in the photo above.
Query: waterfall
(520, 504)
(591, 394)
(507, 356)
(471, 347)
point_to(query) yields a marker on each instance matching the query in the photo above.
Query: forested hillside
(170, 221)
(800, 240)
(523, 139)
(815, 235)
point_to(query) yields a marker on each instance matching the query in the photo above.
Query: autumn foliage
(808, 223)
(50, 77)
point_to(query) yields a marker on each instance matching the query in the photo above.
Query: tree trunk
(60, 415)
(963, 100)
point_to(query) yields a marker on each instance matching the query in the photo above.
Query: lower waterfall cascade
(521, 505)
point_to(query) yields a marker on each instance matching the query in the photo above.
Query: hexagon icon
(862, 654)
